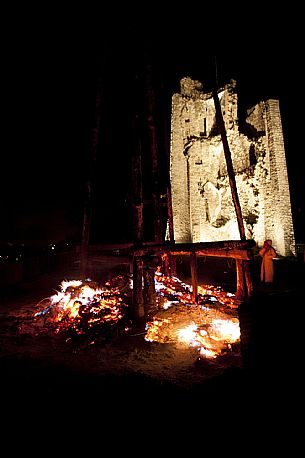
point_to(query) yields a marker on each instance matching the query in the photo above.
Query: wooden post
(172, 258)
(166, 265)
(169, 207)
(88, 196)
(194, 277)
(158, 236)
(137, 292)
(137, 206)
(137, 197)
(149, 289)
(244, 280)
(249, 283)
(241, 293)
(86, 232)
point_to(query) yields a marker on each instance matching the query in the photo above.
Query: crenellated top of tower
(194, 88)
(191, 88)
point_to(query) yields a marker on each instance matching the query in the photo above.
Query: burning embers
(211, 324)
(84, 306)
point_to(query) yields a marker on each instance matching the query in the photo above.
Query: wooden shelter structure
(146, 256)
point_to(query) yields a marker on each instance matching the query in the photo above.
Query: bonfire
(83, 308)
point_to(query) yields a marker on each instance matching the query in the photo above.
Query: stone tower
(203, 209)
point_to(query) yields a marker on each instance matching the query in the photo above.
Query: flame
(187, 334)
(82, 305)
(227, 330)
(152, 329)
(211, 325)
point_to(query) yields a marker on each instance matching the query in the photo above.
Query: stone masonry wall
(201, 195)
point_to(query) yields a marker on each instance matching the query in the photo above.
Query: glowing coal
(82, 306)
(211, 324)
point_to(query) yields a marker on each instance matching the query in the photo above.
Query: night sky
(51, 70)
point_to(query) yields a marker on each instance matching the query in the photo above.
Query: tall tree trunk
(88, 197)
(86, 231)
(169, 207)
(137, 192)
(137, 207)
(151, 108)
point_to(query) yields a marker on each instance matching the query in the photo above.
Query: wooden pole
(231, 175)
(86, 231)
(137, 292)
(158, 236)
(243, 272)
(248, 277)
(137, 206)
(150, 303)
(194, 277)
(172, 258)
(88, 194)
(169, 207)
(136, 172)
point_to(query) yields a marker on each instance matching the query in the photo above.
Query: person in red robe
(267, 268)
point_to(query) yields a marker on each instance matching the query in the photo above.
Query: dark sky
(51, 69)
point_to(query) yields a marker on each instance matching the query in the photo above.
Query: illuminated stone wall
(203, 209)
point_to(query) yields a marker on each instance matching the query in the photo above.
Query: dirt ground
(42, 368)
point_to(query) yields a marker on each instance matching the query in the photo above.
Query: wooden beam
(167, 247)
(222, 253)
(230, 169)
(229, 249)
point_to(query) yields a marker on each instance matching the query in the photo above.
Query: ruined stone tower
(203, 209)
